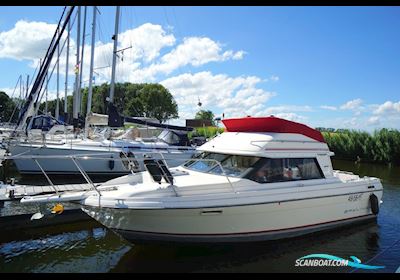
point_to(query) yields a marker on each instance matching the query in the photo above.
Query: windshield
(232, 165)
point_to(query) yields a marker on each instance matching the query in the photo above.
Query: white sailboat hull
(109, 163)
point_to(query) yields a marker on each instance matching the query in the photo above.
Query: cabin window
(232, 165)
(173, 138)
(270, 170)
(235, 165)
(37, 123)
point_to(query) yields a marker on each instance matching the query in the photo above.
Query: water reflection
(89, 250)
(272, 256)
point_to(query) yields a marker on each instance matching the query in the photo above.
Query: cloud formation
(388, 107)
(352, 104)
(234, 96)
(27, 40)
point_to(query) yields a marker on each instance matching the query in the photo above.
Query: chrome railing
(138, 157)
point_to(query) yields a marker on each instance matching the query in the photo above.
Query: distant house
(198, 123)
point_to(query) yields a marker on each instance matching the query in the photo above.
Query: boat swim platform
(15, 192)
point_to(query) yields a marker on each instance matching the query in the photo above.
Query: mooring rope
(380, 253)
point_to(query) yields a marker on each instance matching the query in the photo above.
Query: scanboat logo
(330, 260)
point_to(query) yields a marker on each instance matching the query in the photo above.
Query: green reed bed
(382, 146)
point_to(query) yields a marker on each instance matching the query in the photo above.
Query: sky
(333, 67)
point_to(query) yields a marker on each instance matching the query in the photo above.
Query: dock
(13, 192)
(23, 221)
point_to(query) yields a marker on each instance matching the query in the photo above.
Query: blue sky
(322, 66)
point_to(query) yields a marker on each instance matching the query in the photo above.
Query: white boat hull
(111, 165)
(257, 222)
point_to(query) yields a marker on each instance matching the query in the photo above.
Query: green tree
(158, 102)
(137, 100)
(7, 106)
(205, 115)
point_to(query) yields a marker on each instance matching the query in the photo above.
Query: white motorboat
(262, 179)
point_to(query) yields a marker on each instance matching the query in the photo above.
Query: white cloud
(274, 78)
(388, 107)
(276, 110)
(146, 41)
(194, 51)
(326, 107)
(374, 120)
(351, 123)
(292, 117)
(150, 51)
(27, 40)
(238, 55)
(234, 96)
(352, 104)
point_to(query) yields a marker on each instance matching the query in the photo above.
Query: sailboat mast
(57, 112)
(90, 91)
(47, 91)
(89, 102)
(81, 64)
(76, 94)
(115, 37)
(27, 86)
(66, 75)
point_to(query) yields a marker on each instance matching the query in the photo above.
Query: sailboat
(103, 156)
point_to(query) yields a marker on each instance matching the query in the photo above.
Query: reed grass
(381, 146)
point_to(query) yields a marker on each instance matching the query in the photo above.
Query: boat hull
(111, 165)
(241, 223)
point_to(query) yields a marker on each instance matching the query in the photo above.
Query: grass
(382, 146)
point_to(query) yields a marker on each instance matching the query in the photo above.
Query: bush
(208, 131)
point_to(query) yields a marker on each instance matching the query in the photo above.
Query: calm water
(88, 247)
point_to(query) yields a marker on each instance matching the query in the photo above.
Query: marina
(140, 167)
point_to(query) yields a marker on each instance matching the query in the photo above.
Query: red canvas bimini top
(270, 124)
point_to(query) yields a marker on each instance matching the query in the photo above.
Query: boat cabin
(268, 153)
(43, 122)
(174, 137)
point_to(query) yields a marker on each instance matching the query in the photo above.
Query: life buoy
(374, 204)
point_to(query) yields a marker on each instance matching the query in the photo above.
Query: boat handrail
(95, 156)
(75, 159)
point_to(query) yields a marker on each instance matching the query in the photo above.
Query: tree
(7, 106)
(205, 115)
(136, 100)
(158, 102)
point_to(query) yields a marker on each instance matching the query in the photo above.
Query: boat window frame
(216, 165)
(262, 162)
